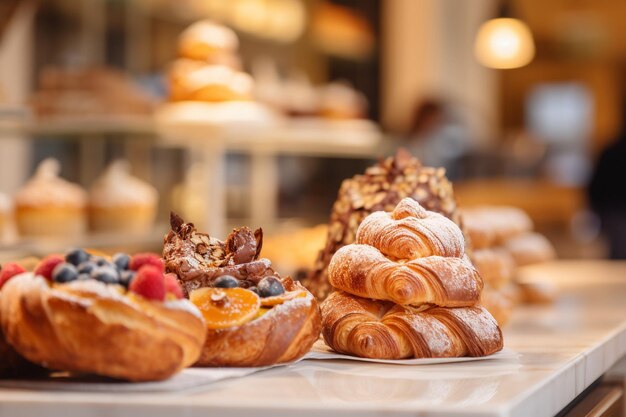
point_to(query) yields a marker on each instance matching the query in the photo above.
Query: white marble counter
(563, 349)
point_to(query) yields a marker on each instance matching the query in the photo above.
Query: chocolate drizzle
(198, 259)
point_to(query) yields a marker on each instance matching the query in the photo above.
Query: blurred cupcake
(122, 202)
(48, 205)
(6, 209)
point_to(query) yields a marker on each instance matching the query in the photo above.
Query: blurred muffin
(209, 42)
(48, 205)
(119, 201)
(197, 81)
(6, 210)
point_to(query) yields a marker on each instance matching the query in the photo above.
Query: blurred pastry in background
(209, 42)
(380, 188)
(6, 214)
(537, 292)
(492, 225)
(119, 201)
(530, 248)
(496, 265)
(300, 97)
(294, 252)
(97, 91)
(48, 205)
(500, 302)
(196, 81)
(340, 101)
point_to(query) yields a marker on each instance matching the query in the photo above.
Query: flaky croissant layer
(382, 330)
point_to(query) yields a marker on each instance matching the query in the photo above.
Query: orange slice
(279, 299)
(226, 307)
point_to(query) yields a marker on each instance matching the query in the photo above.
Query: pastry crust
(12, 363)
(283, 334)
(88, 326)
(382, 330)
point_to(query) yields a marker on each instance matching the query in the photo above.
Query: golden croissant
(383, 330)
(364, 271)
(410, 232)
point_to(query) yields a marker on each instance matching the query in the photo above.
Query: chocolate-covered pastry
(199, 259)
(382, 187)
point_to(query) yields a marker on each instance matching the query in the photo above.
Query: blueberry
(226, 281)
(100, 261)
(106, 274)
(126, 277)
(121, 261)
(64, 272)
(270, 286)
(76, 256)
(86, 268)
(254, 290)
(83, 277)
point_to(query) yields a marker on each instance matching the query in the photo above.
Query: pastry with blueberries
(254, 317)
(121, 317)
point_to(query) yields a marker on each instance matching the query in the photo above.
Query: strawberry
(173, 286)
(146, 258)
(149, 283)
(9, 271)
(47, 264)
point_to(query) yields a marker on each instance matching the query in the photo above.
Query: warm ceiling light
(504, 43)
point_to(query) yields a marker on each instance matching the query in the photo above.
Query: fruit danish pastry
(254, 317)
(12, 363)
(122, 318)
(425, 291)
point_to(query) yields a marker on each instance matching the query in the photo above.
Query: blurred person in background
(438, 136)
(607, 194)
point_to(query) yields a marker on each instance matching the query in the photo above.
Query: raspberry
(172, 285)
(149, 283)
(147, 258)
(47, 264)
(9, 271)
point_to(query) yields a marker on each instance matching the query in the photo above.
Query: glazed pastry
(207, 41)
(122, 202)
(530, 248)
(254, 317)
(122, 318)
(382, 330)
(425, 291)
(48, 205)
(380, 188)
(409, 256)
(495, 265)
